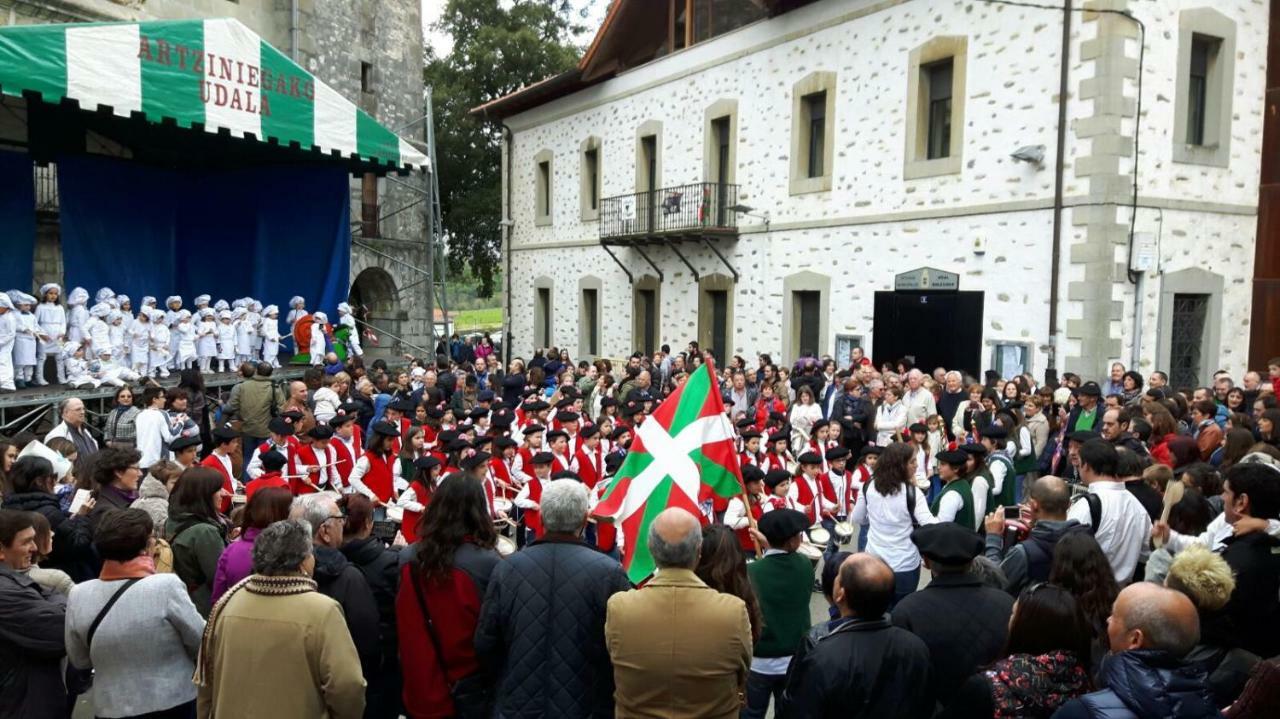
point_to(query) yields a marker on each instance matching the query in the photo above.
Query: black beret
(342, 418)
(225, 434)
(870, 450)
(479, 412)
(752, 473)
(1090, 389)
(534, 429)
(555, 433)
(536, 406)
(457, 445)
(838, 453)
(809, 458)
(446, 437)
(750, 434)
(953, 457)
(780, 525)
(819, 425)
(609, 402)
(778, 437)
(182, 443)
(776, 477)
(435, 412)
(947, 543)
(403, 405)
(485, 395)
(566, 474)
(386, 429)
(590, 430)
(918, 428)
(542, 458)
(280, 425)
(320, 431)
(504, 442)
(618, 432)
(272, 461)
(974, 449)
(293, 415)
(746, 423)
(500, 420)
(426, 463)
(612, 462)
(1082, 436)
(478, 459)
(995, 431)
(351, 408)
(567, 417)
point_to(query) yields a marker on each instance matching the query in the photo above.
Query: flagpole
(751, 522)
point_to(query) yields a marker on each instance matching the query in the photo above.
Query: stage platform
(35, 409)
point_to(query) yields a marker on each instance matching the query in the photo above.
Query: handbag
(102, 613)
(472, 696)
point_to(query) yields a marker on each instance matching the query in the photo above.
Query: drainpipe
(508, 229)
(1055, 262)
(293, 30)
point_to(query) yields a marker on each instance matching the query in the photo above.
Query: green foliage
(496, 51)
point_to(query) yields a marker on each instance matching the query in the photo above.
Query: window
(715, 315)
(542, 314)
(935, 108)
(590, 325)
(806, 304)
(806, 314)
(1206, 71)
(542, 188)
(815, 107)
(1187, 339)
(644, 328)
(939, 77)
(648, 174)
(591, 168)
(719, 157)
(369, 205)
(366, 77)
(813, 133)
(1011, 359)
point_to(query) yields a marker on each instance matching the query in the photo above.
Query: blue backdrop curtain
(17, 221)
(268, 232)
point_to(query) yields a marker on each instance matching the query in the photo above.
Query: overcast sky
(442, 44)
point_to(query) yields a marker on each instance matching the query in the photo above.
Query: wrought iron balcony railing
(698, 209)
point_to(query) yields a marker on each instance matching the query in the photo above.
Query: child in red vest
(736, 515)
(530, 497)
(272, 463)
(415, 498)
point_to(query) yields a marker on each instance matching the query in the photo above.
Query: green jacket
(197, 544)
(964, 517)
(1009, 490)
(252, 405)
(783, 584)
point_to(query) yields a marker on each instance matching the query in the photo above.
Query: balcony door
(720, 131)
(648, 162)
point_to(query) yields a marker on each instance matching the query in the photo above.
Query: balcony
(46, 184)
(694, 212)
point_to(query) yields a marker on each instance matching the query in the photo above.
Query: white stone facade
(991, 222)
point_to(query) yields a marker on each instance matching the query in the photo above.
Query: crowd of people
(45, 341)
(421, 540)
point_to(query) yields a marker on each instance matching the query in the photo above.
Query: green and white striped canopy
(214, 74)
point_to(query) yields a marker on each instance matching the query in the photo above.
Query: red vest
(345, 457)
(501, 472)
(744, 534)
(589, 472)
(806, 498)
(307, 456)
(228, 486)
(290, 453)
(379, 479)
(270, 479)
(533, 517)
(409, 524)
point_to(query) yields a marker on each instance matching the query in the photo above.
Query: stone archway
(375, 299)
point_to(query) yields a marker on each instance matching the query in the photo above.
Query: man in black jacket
(31, 629)
(1253, 490)
(338, 578)
(541, 626)
(963, 622)
(866, 667)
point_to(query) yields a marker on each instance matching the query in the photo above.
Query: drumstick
(751, 521)
(1172, 495)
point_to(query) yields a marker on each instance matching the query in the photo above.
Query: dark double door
(939, 329)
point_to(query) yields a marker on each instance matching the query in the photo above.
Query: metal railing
(681, 209)
(46, 180)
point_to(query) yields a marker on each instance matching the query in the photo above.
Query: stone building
(783, 176)
(371, 52)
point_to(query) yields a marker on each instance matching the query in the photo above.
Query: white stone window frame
(587, 212)
(917, 164)
(590, 282)
(544, 283)
(718, 110)
(806, 281)
(1216, 150)
(541, 190)
(1191, 281)
(818, 81)
(1029, 348)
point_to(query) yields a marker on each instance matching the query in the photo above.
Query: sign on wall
(926, 278)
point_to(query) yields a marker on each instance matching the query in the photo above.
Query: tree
(496, 51)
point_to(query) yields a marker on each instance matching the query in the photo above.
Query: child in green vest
(978, 476)
(955, 502)
(1003, 484)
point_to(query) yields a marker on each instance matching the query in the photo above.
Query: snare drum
(811, 552)
(501, 504)
(506, 547)
(395, 514)
(818, 535)
(844, 532)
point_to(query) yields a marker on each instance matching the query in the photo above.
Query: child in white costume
(240, 315)
(113, 373)
(8, 333)
(78, 375)
(186, 331)
(96, 332)
(254, 317)
(346, 319)
(140, 343)
(174, 305)
(77, 314)
(318, 321)
(226, 340)
(118, 330)
(24, 346)
(271, 335)
(52, 319)
(207, 339)
(160, 337)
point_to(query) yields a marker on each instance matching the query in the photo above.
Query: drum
(395, 514)
(505, 546)
(811, 552)
(501, 504)
(844, 532)
(818, 535)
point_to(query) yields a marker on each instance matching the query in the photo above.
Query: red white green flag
(683, 453)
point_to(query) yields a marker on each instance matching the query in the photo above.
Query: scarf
(254, 584)
(143, 565)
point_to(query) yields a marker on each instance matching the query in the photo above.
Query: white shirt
(890, 419)
(919, 405)
(1214, 536)
(889, 525)
(356, 478)
(771, 666)
(950, 505)
(154, 432)
(980, 489)
(1124, 530)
